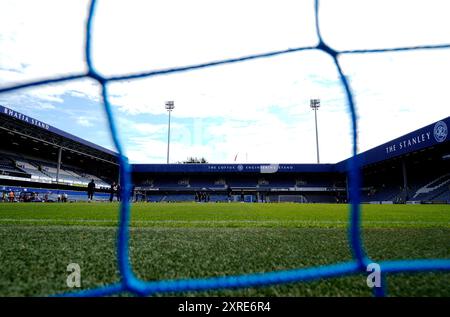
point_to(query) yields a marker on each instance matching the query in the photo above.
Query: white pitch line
(224, 221)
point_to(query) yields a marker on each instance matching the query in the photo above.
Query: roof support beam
(58, 167)
(58, 146)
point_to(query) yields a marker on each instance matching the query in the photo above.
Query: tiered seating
(81, 177)
(320, 198)
(244, 183)
(66, 175)
(99, 182)
(184, 198)
(167, 184)
(387, 193)
(8, 167)
(42, 171)
(444, 197)
(203, 183)
(277, 183)
(218, 198)
(178, 198)
(194, 183)
(155, 198)
(433, 189)
(32, 170)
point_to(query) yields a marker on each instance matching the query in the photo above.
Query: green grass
(37, 241)
(226, 215)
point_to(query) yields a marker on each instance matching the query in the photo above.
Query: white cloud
(137, 35)
(240, 91)
(355, 24)
(41, 38)
(147, 128)
(399, 92)
(85, 122)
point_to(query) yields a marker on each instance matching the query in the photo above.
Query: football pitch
(187, 240)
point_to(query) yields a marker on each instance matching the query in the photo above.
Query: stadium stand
(414, 168)
(46, 171)
(40, 158)
(182, 182)
(408, 171)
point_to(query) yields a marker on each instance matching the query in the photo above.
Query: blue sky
(259, 109)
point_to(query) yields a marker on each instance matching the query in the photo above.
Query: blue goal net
(129, 282)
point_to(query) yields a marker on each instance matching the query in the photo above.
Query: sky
(252, 112)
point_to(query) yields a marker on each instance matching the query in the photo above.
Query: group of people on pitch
(113, 190)
(202, 196)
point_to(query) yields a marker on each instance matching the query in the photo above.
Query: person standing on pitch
(118, 192)
(112, 189)
(229, 192)
(11, 196)
(91, 190)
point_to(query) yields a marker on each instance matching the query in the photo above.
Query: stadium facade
(40, 158)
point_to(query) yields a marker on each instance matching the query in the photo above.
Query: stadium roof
(15, 122)
(432, 135)
(233, 168)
